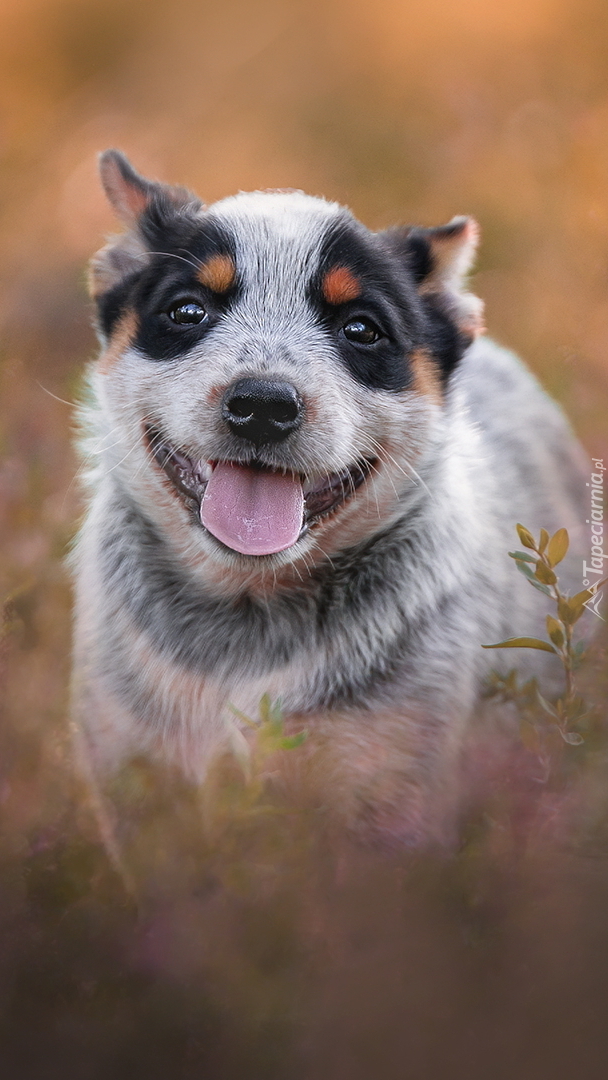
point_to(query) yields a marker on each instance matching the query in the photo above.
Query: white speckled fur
(413, 569)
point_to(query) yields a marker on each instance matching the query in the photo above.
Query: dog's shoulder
(525, 441)
(506, 401)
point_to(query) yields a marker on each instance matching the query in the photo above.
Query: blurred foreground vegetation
(231, 933)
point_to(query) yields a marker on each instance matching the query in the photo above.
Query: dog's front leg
(389, 775)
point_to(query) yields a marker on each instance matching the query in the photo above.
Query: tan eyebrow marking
(340, 285)
(426, 376)
(218, 273)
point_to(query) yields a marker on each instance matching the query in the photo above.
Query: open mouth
(254, 509)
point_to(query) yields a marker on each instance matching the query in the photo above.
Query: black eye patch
(370, 347)
(174, 312)
(180, 245)
(375, 331)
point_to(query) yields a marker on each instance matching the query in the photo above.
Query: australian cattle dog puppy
(305, 469)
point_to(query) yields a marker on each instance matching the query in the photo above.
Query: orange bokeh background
(406, 111)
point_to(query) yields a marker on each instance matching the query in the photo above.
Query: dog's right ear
(146, 207)
(128, 193)
(138, 202)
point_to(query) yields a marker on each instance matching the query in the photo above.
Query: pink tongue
(254, 511)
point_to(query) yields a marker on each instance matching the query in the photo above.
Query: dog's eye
(361, 332)
(188, 314)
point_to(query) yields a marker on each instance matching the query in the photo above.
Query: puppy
(305, 468)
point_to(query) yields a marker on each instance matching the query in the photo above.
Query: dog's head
(271, 370)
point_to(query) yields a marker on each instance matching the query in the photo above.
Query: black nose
(261, 410)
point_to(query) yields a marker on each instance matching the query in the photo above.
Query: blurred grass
(267, 948)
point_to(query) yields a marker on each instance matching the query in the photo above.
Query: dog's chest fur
(305, 478)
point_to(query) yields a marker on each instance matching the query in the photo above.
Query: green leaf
(524, 569)
(544, 704)
(576, 603)
(243, 717)
(579, 598)
(555, 631)
(526, 537)
(275, 718)
(564, 611)
(292, 741)
(276, 712)
(265, 707)
(522, 555)
(544, 574)
(544, 540)
(572, 737)
(558, 546)
(572, 608)
(528, 573)
(522, 643)
(541, 588)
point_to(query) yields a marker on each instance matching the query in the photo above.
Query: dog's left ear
(439, 260)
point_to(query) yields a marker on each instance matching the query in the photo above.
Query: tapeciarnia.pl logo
(595, 566)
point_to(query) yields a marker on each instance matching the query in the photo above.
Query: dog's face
(272, 370)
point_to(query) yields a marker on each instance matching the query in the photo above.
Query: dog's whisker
(106, 449)
(375, 469)
(378, 472)
(117, 464)
(83, 468)
(52, 395)
(171, 255)
(412, 475)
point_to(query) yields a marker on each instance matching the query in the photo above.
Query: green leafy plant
(537, 564)
(271, 724)
(245, 791)
(269, 729)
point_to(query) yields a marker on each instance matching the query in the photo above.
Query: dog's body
(306, 479)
